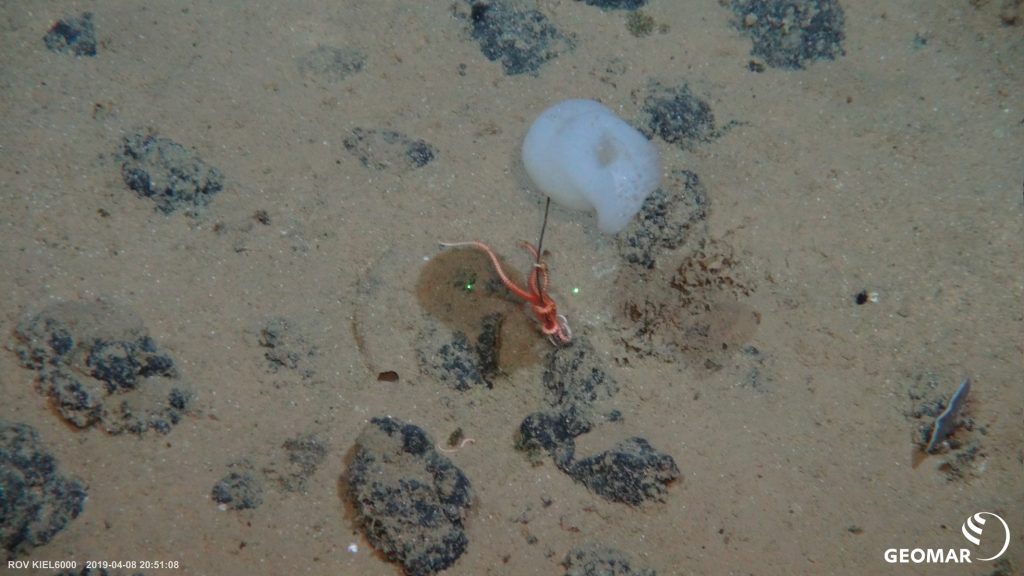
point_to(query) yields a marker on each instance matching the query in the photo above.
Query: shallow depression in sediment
(460, 288)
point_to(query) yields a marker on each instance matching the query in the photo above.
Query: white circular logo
(973, 527)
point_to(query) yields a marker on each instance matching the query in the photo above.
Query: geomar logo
(974, 530)
(974, 526)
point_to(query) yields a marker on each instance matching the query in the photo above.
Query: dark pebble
(303, 455)
(791, 33)
(677, 116)
(166, 172)
(73, 35)
(410, 501)
(238, 491)
(455, 362)
(521, 39)
(36, 500)
(593, 559)
(387, 376)
(616, 4)
(666, 220)
(98, 366)
(286, 348)
(632, 472)
(384, 150)
(575, 382)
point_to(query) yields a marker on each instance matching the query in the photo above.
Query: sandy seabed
(894, 170)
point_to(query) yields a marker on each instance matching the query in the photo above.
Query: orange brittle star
(552, 324)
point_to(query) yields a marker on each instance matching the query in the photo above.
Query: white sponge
(583, 156)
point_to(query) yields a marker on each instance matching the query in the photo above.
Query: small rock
(286, 348)
(522, 39)
(98, 366)
(411, 502)
(388, 150)
(632, 472)
(616, 4)
(454, 362)
(73, 35)
(791, 33)
(166, 172)
(36, 500)
(593, 559)
(303, 456)
(238, 491)
(668, 218)
(678, 116)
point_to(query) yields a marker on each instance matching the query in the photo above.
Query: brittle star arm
(512, 286)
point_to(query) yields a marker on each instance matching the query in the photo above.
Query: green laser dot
(575, 289)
